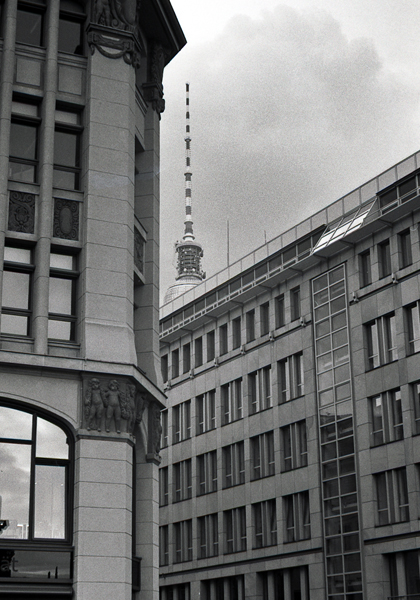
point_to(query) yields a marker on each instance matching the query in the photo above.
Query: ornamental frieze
(21, 212)
(66, 219)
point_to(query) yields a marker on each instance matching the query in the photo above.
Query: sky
(293, 104)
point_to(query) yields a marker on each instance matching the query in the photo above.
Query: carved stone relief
(155, 432)
(139, 244)
(66, 219)
(21, 212)
(153, 89)
(113, 406)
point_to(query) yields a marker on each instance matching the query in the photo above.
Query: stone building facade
(80, 387)
(291, 460)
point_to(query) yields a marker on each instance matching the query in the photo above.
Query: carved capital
(21, 212)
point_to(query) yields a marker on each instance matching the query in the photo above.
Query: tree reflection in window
(34, 463)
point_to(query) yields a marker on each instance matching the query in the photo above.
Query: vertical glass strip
(336, 423)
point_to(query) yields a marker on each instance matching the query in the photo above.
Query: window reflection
(51, 441)
(49, 502)
(15, 461)
(15, 424)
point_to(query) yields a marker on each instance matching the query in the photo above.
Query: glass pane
(322, 328)
(59, 330)
(39, 564)
(14, 324)
(15, 460)
(320, 283)
(51, 441)
(23, 141)
(69, 36)
(22, 172)
(65, 179)
(15, 424)
(16, 290)
(28, 27)
(60, 300)
(323, 345)
(19, 255)
(61, 261)
(339, 321)
(49, 502)
(66, 149)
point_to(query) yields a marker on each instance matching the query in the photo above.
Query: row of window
(264, 521)
(294, 454)
(31, 28)
(17, 293)
(24, 145)
(238, 337)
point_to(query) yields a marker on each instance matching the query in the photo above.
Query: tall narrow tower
(189, 251)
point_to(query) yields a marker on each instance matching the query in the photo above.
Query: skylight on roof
(343, 227)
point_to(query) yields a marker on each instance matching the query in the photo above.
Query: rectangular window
(404, 248)
(235, 530)
(62, 297)
(206, 411)
(294, 446)
(186, 358)
(175, 363)
(67, 141)
(236, 333)
(164, 367)
(265, 318)
(415, 398)
(365, 270)
(29, 23)
(386, 418)
(182, 477)
(290, 377)
(412, 319)
(70, 30)
(297, 517)
(250, 326)
(182, 541)
(295, 303)
(280, 311)
(264, 518)
(181, 421)
(223, 339)
(381, 341)
(233, 459)
(163, 545)
(211, 346)
(163, 486)
(16, 295)
(231, 401)
(207, 473)
(165, 431)
(262, 455)
(198, 351)
(208, 536)
(24, 128)
(384, 259)
(259, 385)
(392, 496)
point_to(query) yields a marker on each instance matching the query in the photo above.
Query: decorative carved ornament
(153, 89)
(113, 30)
(155, 433)
(66, 219)
(21, 212)
(139, 245)
(112, 405)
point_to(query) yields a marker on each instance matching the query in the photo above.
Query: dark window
(264, 518)
(233, 459)
(62, 297)
(208, 536)
(297, 517)
(384, 258)
(264, 318)
(164, 367)
(404, 247)
(23, 159)
(175, 363)
(280, 313)
(250, 325)
(294, 446)
(386, 418)
(16, 295)
(206, 411)
(392, 496)
(211, 347)
(259, 386)
(163, 545)
(183, 544)
(381, 338)
(164, 439)
(290, 377)
(207, 473)
(29, 23)
(67, 138)
(34, 450)
(163, 486)
(186, 357)
(295, 304)
(223, 339)
(412, 318)
(181, 421)
(235, 530)
(231, 394)
(182, 480)
(198, 351)
(262, 455)
(365, 269)
(70, 32)
(236, 332)
(415, 397)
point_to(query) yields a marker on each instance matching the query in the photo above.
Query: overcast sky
(293, 105)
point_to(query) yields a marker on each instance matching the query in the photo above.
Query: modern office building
(80, 388)
(291, 460)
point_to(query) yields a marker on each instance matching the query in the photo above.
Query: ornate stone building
(80, 387)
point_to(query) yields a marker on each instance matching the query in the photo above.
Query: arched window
(34, 462)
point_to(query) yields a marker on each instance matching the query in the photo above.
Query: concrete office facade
(291, 460)
(80, 385)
